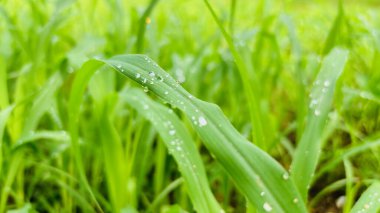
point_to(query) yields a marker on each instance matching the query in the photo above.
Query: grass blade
(179, 143)
(263, 180)
(41, 104)
(307, 152)
(251, 93)
(78, 88)
(369, 201)
(4, 115)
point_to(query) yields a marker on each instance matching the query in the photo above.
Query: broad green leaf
(177, 139)
(263, 180)
(179, 143)
(307, 152)
(369, 201)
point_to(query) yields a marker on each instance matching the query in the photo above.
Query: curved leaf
(263, 180)
(179, 143)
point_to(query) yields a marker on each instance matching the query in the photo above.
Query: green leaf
(41, 104)
(307, 152)
(369, 201)
(76, 95)
(4, 115)
(263, 180)
(178, 141)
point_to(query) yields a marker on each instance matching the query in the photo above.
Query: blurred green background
(44, 42)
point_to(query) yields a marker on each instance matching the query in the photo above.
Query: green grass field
(190, 106)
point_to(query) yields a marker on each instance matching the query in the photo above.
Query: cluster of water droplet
(176, 146)
(266, 206)
(199, 121)
(374, 198)
(317, 98)
(120, 68)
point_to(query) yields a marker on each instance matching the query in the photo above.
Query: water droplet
(267, 207)
(313, 103)
(285, 176)
(146, 106)
(317, 112)
(171, 132)
(152, 74)
(324, 90)
(190, 96)
(166, 92)
(144, 80)
(179, 148)
(326, 83)
(295, 200)
(202, 121)
(146, 89)
(138, 75)
(366, 206)
(262, 194)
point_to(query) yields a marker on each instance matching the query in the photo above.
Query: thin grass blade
(307, 152)
(41, 104)
(76, 95)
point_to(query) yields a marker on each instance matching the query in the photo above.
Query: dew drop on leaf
(285, 176)
(267, 207)
(295, 200)
(202, 121)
